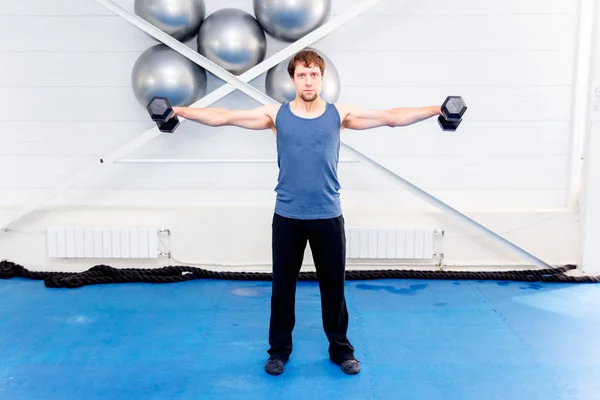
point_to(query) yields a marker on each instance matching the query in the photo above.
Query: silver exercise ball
(161, 71)
(280, 86)
(232, 39)
(179, 18)
(289, 20)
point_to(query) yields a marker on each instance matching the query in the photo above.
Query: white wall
(67, 101)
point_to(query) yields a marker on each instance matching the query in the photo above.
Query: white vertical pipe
(589, 233)
(581, 99)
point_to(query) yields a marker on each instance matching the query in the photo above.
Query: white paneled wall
(66, 97)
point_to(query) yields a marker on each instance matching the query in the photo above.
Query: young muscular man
(307, 207)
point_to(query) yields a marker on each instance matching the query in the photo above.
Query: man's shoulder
(272, 109)
(343, 109)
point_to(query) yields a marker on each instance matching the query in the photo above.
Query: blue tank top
(307, 157)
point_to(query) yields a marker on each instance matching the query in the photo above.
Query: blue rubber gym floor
(207, 339)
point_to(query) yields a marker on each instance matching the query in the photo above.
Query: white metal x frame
(241, 83)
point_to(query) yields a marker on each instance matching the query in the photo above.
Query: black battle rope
(103, 274)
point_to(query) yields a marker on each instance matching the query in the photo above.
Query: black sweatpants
(328, 245)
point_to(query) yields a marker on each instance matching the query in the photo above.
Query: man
(307, 207)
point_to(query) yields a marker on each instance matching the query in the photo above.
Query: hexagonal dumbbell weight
(453, 109)
(161, 112)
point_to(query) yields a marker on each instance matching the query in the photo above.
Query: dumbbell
(161, 112)
(453, 109)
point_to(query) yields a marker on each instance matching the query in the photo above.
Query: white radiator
(390, 243)
(108, 242)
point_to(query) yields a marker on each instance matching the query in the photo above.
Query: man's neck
(307, 106)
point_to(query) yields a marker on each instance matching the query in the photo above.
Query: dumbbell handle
(447, 118)
(171, 115)
(168, 117)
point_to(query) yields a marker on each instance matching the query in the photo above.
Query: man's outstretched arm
(359, 118)
(258, 118)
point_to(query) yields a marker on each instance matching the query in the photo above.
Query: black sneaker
(351, 366)
(274, 366)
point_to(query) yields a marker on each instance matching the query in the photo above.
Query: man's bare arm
(258, 118)
(359, 118)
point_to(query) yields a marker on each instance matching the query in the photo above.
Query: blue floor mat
(207, 339)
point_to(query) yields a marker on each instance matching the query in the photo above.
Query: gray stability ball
(161, 71)
(179, 18)
(232, 39)
(290, 20)
(279, 84)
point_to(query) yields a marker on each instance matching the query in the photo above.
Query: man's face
(308, 81)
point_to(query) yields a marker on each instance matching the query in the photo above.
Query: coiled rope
(104, 274)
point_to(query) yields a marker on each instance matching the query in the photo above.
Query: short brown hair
(306, 58)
